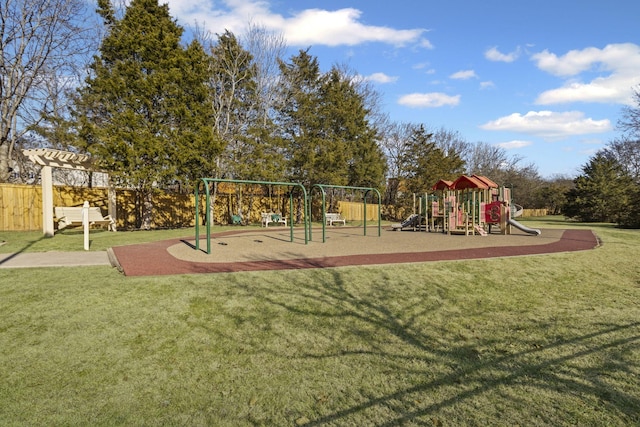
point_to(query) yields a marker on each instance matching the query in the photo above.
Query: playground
(470, 206)
(259, 249)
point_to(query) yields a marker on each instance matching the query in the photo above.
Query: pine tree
(324, 120)
(425, 163)
(353, 155)
(199, 146)
(301, 126)
(141, 110)
(601, 193)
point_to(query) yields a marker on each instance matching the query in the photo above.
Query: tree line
(608, 189)
(160, 107)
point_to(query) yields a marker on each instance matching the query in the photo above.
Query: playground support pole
(379, 211)
(366, 191)
(206, 182)
(291, 218)
(364, 213)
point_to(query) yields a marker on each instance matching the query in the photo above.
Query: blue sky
(544, 79)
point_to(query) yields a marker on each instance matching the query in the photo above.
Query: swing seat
(270, 217)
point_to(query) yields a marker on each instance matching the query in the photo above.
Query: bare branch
(40, 40)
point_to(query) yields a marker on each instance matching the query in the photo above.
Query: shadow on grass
(21, 250)
(556, 367)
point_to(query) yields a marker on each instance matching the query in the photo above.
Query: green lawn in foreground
(547, 340)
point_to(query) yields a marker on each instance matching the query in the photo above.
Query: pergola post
(46, 178)
(49, 158)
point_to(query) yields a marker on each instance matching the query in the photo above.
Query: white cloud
(510, 145)
(425, 43)
(549, 124)
(303, 28)
(428, 100)
(618, 66)
(598, 90)
(487, 85)
(463, 75)
(494, 54)
(612, 58)
(340, 27)
(381, 78)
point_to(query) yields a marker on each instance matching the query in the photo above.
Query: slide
(524, 228)
(412, 221)
(516, 210)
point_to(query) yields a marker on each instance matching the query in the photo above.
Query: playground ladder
(480, 230)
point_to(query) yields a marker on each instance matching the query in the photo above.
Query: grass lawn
(547, 340)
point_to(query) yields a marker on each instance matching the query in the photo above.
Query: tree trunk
(147, 210)
(4, 161)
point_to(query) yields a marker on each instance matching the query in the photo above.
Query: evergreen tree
(300, 124)
(424, 163)
(353, 155)
(199, 147)
(630, 216)
(601, 193)
(324, 121)
(141, 108)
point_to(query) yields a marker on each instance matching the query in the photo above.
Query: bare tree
(489, 160)
(395, 145)
(630, 122)
(451, 142)
(39, 40)
(267, 49)
(626, 151)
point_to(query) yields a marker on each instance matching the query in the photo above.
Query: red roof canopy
(464, 182)
(486, 180)
(442, 185)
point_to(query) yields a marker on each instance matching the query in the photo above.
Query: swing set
(365, 192)
(207, 182)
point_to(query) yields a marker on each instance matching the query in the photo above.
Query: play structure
(470, 205)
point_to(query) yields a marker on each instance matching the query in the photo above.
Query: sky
(546, 80)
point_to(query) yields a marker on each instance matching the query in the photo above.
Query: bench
(270, 217)
(71, 216)
(330, 218)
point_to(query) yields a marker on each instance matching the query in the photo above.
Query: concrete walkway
(54, 259)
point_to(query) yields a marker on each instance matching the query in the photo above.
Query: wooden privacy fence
(353, 211)
(534, 212)
(21, 206)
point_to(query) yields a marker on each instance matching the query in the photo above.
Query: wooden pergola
(49, 158)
